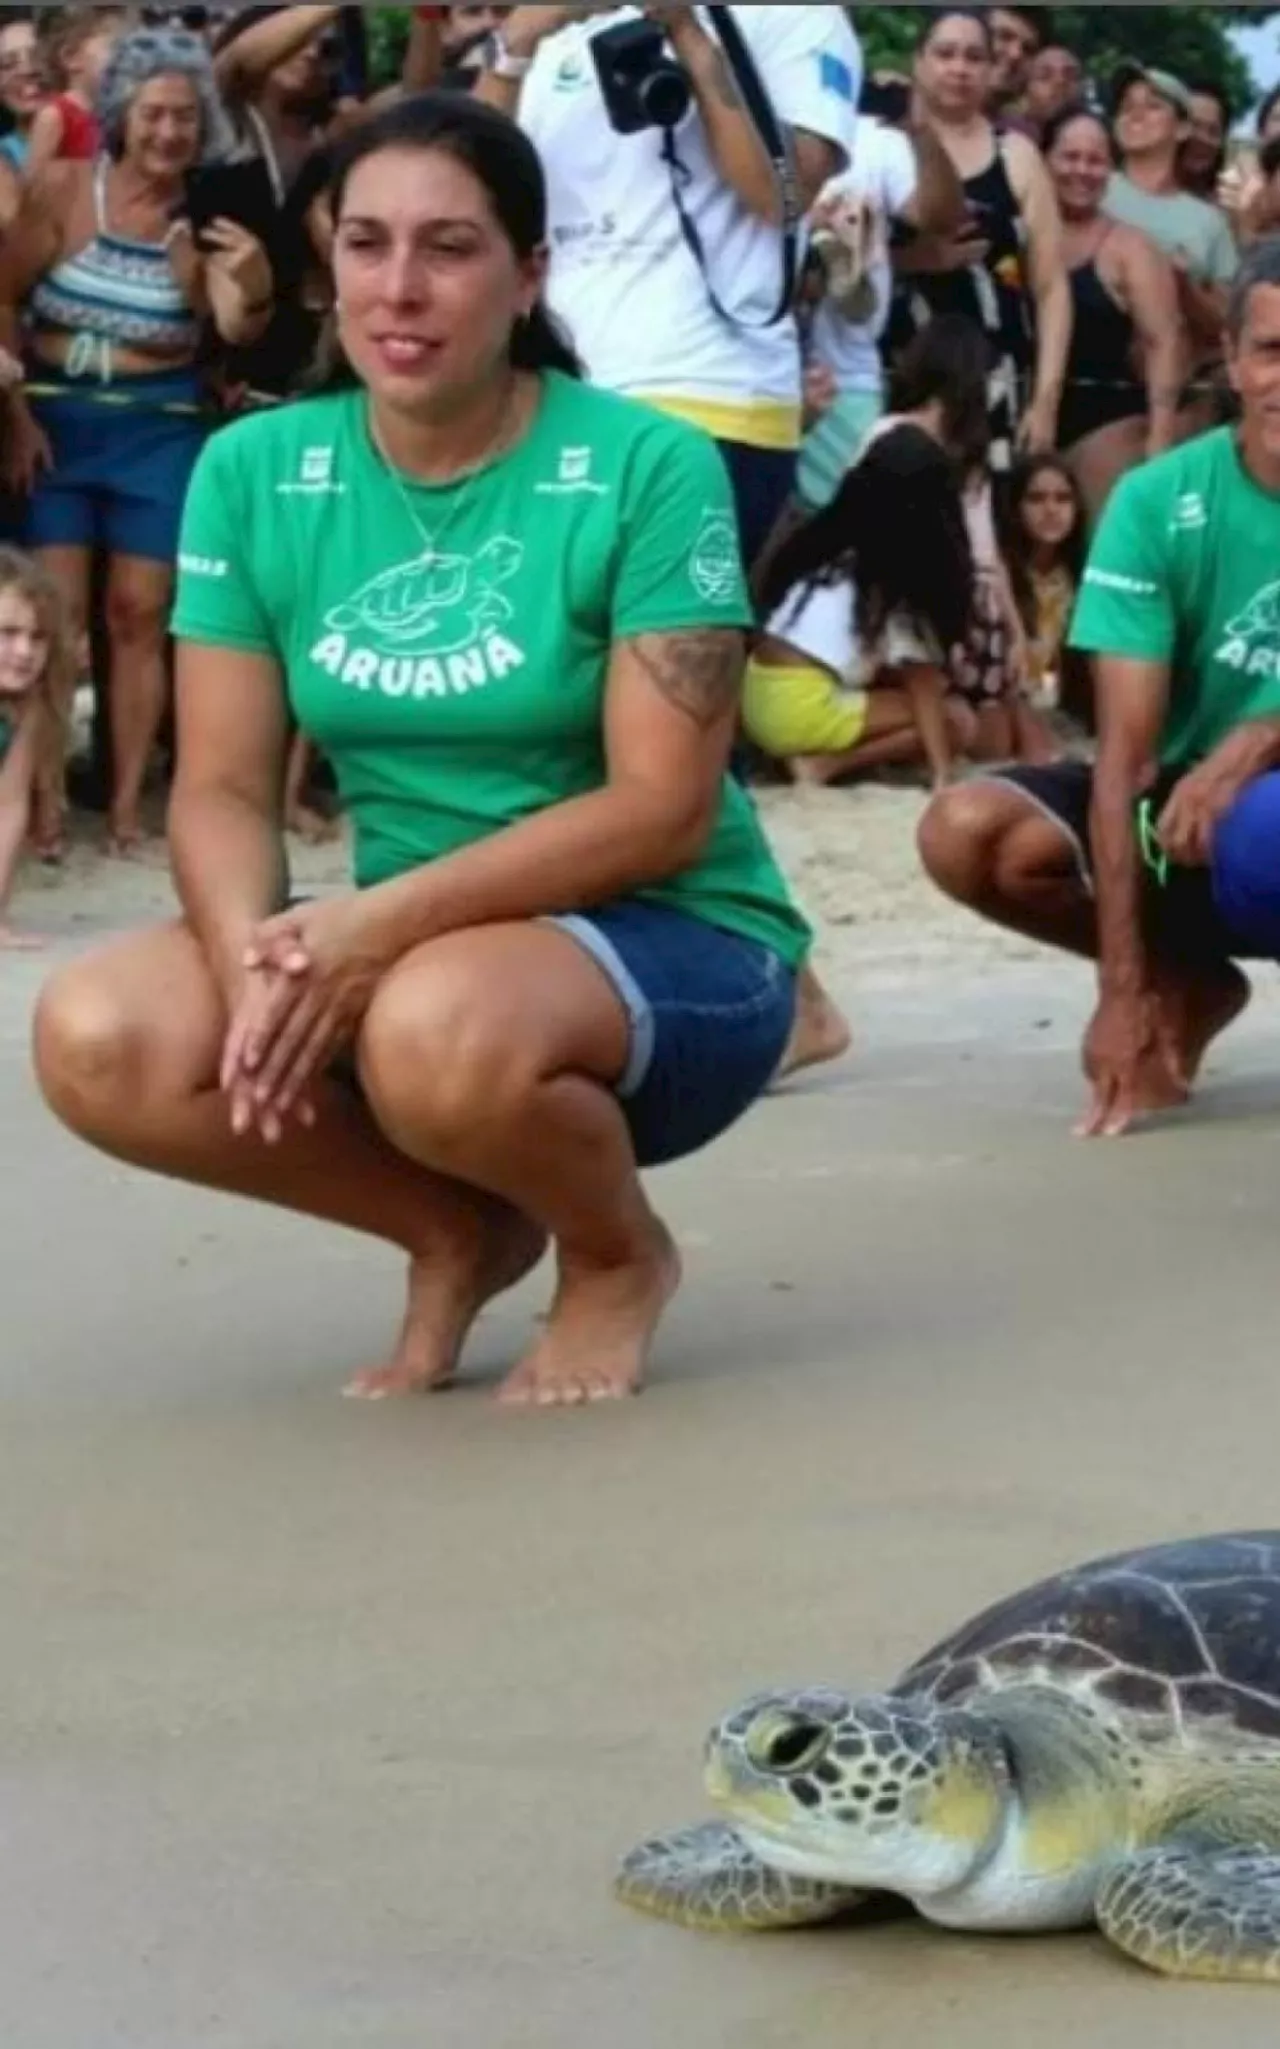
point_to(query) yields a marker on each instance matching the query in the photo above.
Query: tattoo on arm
(700, 673)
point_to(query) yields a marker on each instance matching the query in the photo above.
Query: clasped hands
(307, 979)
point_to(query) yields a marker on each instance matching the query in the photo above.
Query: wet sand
(324, 1725)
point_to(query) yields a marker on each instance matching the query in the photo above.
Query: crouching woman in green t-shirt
(510, 610)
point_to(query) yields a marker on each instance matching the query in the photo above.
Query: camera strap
(764, 120)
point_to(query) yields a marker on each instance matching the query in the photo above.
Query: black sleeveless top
(994, 294)
(1101, 386)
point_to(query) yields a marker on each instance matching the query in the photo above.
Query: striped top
(117, 290)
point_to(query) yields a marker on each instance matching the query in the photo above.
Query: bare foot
(596, 1342)
(312, 826)
(813, 771)
(1197, 1010)
(445, 1299)
(126, 837)
(820, 1033)
(13, 941)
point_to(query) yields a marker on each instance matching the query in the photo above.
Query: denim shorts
(710, 1015)
(120, 472)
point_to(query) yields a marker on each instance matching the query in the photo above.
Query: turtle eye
(787, 1744)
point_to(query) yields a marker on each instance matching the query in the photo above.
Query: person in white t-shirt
(895, 176)
(637, 303)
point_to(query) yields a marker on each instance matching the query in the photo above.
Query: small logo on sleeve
(715, 566)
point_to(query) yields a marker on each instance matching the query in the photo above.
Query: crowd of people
(621, 405)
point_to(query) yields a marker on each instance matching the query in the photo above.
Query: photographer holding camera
(683, 146)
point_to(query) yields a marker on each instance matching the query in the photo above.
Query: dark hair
(1078, 111)
(1038, 19)
(1269, 157)
(896, 530)
(1268, 107)
(232, 26)
(1206, 185)
(1260, 265)
(1075, 671)
(935, 16)
(500, 156)
(1015, 542)
(949, 361)
(1209, 89)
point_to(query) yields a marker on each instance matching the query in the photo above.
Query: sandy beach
(324, 1725)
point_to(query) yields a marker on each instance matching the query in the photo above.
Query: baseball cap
(1166, 83)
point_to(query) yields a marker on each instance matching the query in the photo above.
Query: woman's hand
(310, 976)
(1038, 433)
(238, 279)
(820, 392)
(27, 453)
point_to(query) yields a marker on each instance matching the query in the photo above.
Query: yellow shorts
(800, 710)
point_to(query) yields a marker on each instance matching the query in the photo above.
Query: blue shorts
(120, 470)
(710, 1015)
(1227, 911)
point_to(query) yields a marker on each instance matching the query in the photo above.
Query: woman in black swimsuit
(1004, 269)
(1125, 367)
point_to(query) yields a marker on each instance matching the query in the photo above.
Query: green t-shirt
(446, 646)
(1185, 569)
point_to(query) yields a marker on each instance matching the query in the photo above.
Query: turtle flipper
(1197, 1912)
(707, 1878)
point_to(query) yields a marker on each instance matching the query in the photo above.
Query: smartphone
(236, 192)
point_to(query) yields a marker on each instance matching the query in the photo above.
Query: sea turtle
(1103, 1748)
(432, 603)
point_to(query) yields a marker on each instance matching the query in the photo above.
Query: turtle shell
(1185, 1632)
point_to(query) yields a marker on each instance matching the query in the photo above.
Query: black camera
(641, 85)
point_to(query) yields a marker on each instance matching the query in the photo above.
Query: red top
(81, 135)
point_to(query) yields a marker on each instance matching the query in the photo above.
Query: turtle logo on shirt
(716, 563)
(1252, 640)
(436, 604)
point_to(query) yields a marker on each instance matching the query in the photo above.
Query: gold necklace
(498, 446)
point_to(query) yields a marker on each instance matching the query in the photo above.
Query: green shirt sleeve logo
(716, 563)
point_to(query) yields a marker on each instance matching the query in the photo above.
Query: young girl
(1044, 543)
(859, 607)
(36, 676)
(941, 383)
(66, 125)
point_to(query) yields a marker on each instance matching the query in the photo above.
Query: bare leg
(1033, 738)
(990, 849)
(891, 740)
(138, 599)
(994, 736)
(489, 1055)
(127, 1045)
(1102, 458)
(821, 1031)
(925, 691)
(72, 569)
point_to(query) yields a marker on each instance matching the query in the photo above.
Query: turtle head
(879, 1794)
